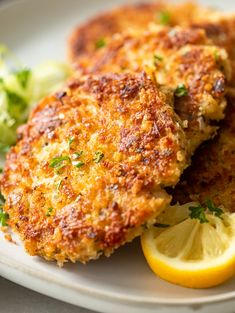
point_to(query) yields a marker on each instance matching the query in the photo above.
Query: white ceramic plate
(36, 31)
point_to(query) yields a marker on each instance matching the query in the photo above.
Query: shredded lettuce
(21, 88)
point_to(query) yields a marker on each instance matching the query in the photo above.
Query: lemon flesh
(189, 253)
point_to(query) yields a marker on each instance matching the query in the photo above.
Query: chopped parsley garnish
(79, 164)
(216, 55)
(77, 154)
(3, 218)
(60, 162)
(199, 211)
(2, 200)
(49, 211)
(70, 141)
(100, 43)
(160, 225)
(3, 215)
(164, 18)
(181, 91)
(98, 157)
(213, 209)
(23, 77)
(156, 59)
(58, 185)
(1, 170)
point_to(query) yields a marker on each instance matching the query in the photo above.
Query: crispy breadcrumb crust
(121, 143)
(219, 27)
(174, 57)
(84, 38)
(212, 175)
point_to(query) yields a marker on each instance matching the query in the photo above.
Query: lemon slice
(191, 253)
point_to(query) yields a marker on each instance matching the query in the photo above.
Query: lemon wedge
(191, 252)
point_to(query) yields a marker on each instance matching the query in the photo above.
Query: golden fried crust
(220, 29)
(121, 142)
(84, 38)
(175, 57)
(212, 174)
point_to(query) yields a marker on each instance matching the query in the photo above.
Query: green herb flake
(213, 209)
(49, 211)
(198, 212)
(23, 77)
(161, 225)
(59, 162)
(70, 141)
(157, 59)
(59, 184)
(3, 215)
(100, 43)
(77, 154)
(164, 18)
(3, 218)
(216, 55)
(2, 200)
(98, 157)
(1, 170)
(181, 91)
(79, 164)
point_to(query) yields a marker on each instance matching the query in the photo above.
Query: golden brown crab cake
(219, 28)
(96, 32)
(88, 171)
(182, 59)
(212, 175)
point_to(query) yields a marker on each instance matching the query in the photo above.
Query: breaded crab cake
(89, 169)
(212, 175)
(85, 39)
(184, 60)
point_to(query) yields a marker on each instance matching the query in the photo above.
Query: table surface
(14, 298)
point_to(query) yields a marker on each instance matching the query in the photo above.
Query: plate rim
(8, 262)
(112, 296)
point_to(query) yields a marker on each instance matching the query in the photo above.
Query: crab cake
(89, 37)
(88, 171)
(182, 59)
(212, 175)
(97, 31)
(220, 29)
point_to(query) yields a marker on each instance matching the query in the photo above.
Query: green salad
(21, 88)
